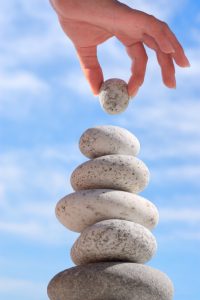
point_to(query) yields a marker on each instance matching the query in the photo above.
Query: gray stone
(111, 281)
(105, 140)
(113, 96)
(114, 240)
(78, 210)
(118, 172)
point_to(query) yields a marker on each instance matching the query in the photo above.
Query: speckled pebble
(78, 210)
(113, 96)
(111, 281)
(118, 172)
(114, 240)
(108, 139)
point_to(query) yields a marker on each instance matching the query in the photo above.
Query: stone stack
(115, 224)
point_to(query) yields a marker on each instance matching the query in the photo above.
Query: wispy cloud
(22, 81)
(13, 287)
(161, 9)
(32, 181)
(185, 215)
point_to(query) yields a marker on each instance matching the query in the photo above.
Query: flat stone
(105, 140)
(114, 240)
(118, 172)
(113, 96)
(81, 209)
(111, 281)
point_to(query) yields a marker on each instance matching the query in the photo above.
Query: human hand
(89, 23)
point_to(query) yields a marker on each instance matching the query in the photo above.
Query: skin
(89, 23)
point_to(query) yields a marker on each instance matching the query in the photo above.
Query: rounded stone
(114, 240)
(104, 140)
(79, 210)
(113, 96)
(111, 281)
(118, 172)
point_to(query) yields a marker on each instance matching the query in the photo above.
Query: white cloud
(177, 236)
(40, 40)
(183, 174)
(32, 181)
(39, 229)
(22, 81)
(21, 288)
(185, 215)
(31, 40)
(21, 169)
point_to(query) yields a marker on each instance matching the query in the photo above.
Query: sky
(45, 106)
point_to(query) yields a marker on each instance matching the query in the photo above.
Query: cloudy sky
(46, 104)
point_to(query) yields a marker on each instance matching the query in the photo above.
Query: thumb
(91, 67)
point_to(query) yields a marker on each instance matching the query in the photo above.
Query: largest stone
(111, 281)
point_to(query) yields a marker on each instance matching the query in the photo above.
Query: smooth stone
(108, 139)
(111, 281)
(113, 96)
(118, 172)
(114, 240)
(81, 209)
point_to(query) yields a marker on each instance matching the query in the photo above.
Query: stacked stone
(115, 224)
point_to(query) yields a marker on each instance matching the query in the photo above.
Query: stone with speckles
(113, 96)
(111, 281)
(118, 172)
(108, 139)
(78, 210)
(114, 240)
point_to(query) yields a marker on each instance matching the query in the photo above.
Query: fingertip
(186, 63)
(133, 86)
(132, 91)
(95, 79)
(170, 83)
(181, 60)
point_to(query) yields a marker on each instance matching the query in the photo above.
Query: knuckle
(152, 19)
(90, 62)
(57, 3)
(164, 25)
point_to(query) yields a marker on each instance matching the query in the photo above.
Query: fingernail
(174, 83)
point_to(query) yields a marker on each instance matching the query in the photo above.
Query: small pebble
(113, 96)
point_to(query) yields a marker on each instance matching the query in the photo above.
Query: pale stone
(78, 210)
(108, 139)
(111, 281)
(113, 96)
(114, 240)
(119, 172)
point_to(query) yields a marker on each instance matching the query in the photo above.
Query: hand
(89, 23)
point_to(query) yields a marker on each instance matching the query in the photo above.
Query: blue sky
(46, 104)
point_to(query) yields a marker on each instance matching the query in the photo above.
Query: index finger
(139, 61)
